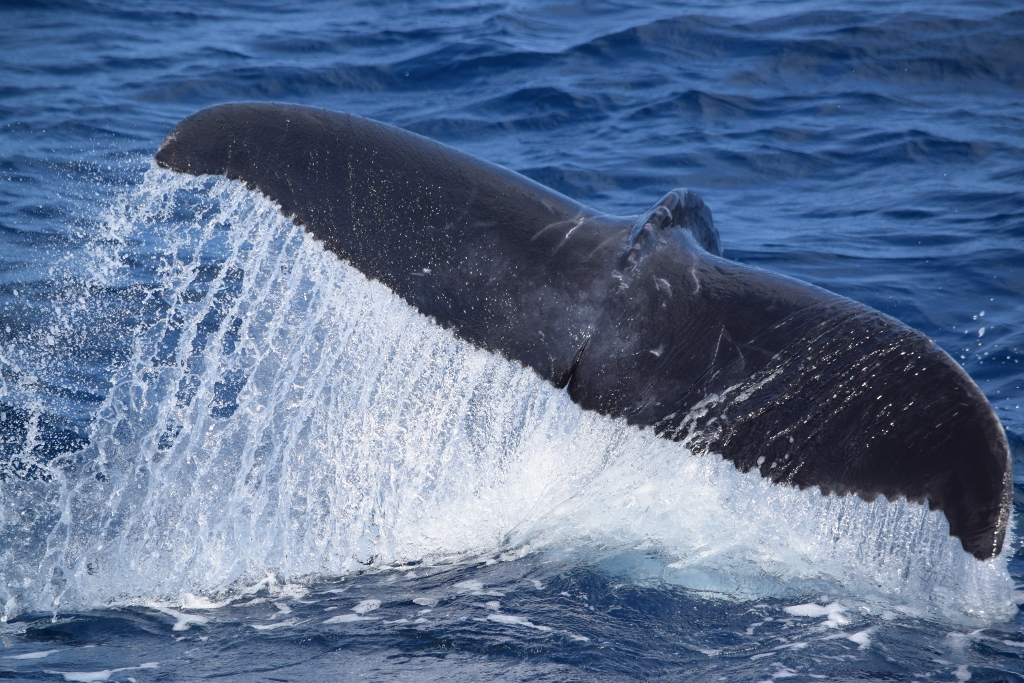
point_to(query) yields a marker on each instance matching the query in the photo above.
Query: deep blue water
(197, 476)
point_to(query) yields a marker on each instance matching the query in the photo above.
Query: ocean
(225, 454)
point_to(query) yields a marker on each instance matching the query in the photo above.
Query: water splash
(278, 413)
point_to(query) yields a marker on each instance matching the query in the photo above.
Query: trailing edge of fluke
(639, 318)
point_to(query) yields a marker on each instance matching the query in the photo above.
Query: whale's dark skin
(638, 318)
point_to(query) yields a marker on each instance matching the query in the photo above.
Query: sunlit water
(225, 453)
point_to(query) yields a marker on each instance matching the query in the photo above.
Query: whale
(639, 318)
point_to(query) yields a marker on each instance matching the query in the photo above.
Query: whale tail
(639, 318)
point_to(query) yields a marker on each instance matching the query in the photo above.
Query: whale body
(638, 318)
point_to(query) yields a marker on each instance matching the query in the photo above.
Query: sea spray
(276, 413)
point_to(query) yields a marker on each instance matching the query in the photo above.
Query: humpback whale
(638, 318)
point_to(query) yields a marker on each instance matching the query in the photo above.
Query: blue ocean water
(223, 454)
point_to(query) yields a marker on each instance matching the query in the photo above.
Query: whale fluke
(638, 318)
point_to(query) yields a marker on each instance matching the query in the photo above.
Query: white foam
(366, 606)
(190, 601)
(84, 676)
(471, 586)
(274, 626)
(348, 619)
(32, 655)
(284, 417)
(183, 621)
(94, 676)
(513, 620)
(862, 638)
(833, 611)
